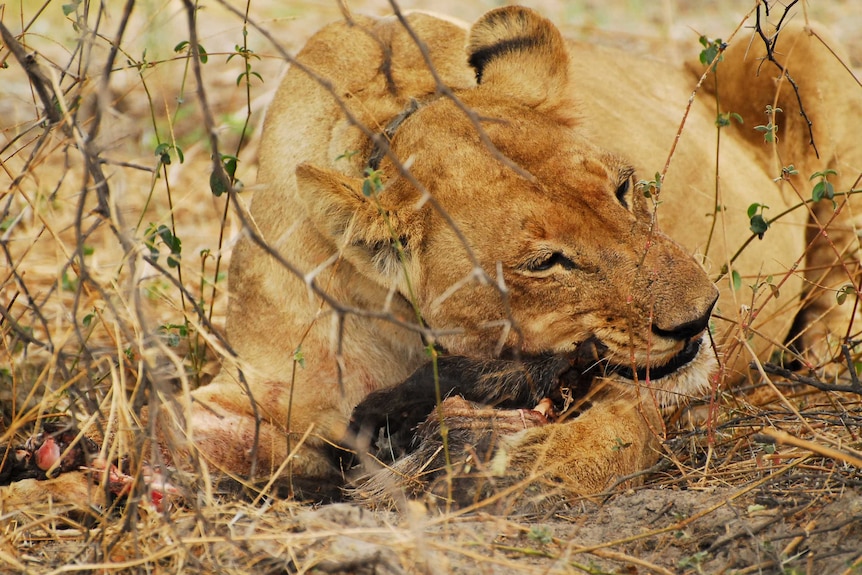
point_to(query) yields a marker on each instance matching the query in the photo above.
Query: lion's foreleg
(613, 438)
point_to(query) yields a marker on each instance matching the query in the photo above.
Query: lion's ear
(367, 233)
(520, 55)
(337, 206)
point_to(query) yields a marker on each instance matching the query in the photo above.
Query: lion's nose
(692, 327)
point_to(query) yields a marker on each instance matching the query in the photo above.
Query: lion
(481, 196)
(489, 195)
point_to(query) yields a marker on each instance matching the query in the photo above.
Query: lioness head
(556, 223)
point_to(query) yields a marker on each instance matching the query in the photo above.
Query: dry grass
(93, 321)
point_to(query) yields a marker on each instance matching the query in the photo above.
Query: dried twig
(774, 369)
(769, 44)
(782, 437)
(40, 82)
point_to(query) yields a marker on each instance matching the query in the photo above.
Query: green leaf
(217, 185)
(737, 280)
(768, 131)
(185, 45)
(540, 534)
(68, 283)
(230, 165)
(372, 183)
(694, 560)
(163, 153)
(648, 188)
(619, 444)
(174, 244)
(150, 241)
(172, 339)
(71, 7)
(758, 225)
(723, 120)
(846, 290)
(823, 189)
(347, 155)
(712, 48)
(818, 191)
(168, 238)
(298, 357)
(824, 174)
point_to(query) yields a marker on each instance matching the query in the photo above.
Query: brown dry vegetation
(92, 321)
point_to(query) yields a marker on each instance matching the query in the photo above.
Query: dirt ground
(653, 530)
(724, 499)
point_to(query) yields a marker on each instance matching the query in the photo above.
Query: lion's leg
(832, 101)
(76, 489)
(833, 273)
(615, 437)
(832, 264)
(455, 469)
(220, 430)
(491, 449)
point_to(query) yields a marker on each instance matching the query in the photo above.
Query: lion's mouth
(677, 362)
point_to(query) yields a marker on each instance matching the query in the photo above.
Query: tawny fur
(576, 117)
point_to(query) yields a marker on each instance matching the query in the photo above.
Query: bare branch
(774, 369)
(37, 77)
(769, 44)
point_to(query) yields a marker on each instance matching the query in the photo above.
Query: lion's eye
(623, 192)
(550, 261)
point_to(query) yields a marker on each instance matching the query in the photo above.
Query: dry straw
(112, 294)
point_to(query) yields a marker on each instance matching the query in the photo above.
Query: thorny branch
(38, 80)
(769, 44)
(774, 369)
